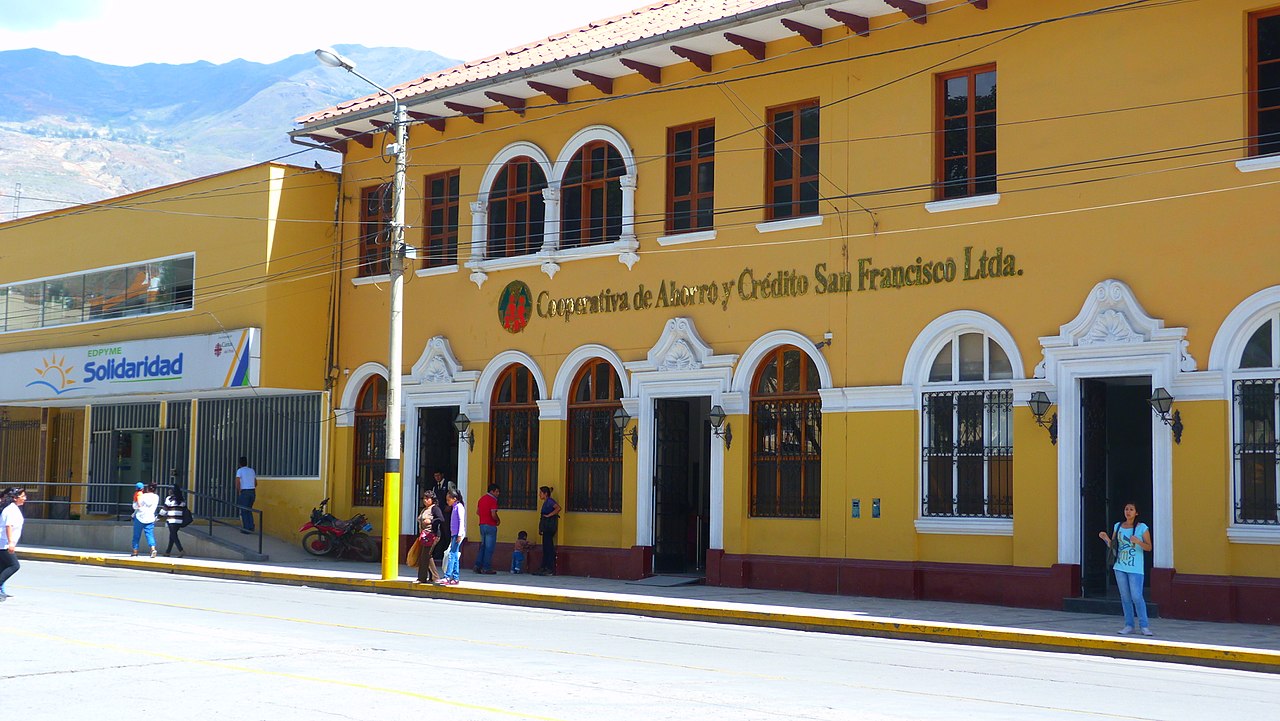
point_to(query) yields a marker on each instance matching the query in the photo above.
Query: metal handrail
(124, 509)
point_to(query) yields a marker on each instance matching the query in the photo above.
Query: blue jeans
(488, 542)
(140, 528)
(517, 561)
(1131, 598)
(451, 559)
(245, 500)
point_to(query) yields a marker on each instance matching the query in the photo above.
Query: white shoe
(1147, 632)
(1126, 630)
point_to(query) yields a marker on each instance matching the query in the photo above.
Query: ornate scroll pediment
(437, 363)
(679, 348)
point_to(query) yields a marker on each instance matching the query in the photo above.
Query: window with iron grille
(591, 196)
(691, 176)
(513, 454)
(794, 143)
(966, 133)
(786, 437)
(1257, 412)
(967, 467)
(375, 227)
(440, 219)
(371, 443)
(1264, 82)
(595, 443)
(517, 210)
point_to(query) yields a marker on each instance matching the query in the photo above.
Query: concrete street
(92, 642)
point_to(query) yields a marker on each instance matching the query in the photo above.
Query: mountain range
(76, 131)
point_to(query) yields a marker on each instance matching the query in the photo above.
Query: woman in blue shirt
(1135, 539)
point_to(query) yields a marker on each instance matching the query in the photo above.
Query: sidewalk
(1232, 645)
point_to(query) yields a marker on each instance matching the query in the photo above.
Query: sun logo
(55, 374)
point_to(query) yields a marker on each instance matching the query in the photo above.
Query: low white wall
(117, 536)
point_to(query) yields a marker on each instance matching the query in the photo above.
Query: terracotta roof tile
(645, 22)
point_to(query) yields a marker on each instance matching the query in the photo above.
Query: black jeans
(8, 565)
(549, 552)
(173, 538)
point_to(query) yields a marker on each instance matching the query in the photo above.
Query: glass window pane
(984, 92)
(809, 123)
(809, 197)
(941, 369)
(706, 177)
(957, 100)
(1257, 352)
(782, 164)
(971, 353)
(1269, 85)
(791, 371)
(682, 180)
(706, 213)
(985, 177)
(783, 127)
(768, 382)
(955, 137)
(1269, 38)
(984, 129)
(1001, 368)
(104, 292)
(782, 201)
(707, 140)
(1269, 132)
(809, 160)
(956, 178)
(681, 212)
(64, 301)
(682, 145)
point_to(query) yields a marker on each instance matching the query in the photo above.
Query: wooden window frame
(596, 412)
(375, 248)
(699, 157)
(608, 184)
(507, 418)
(440, 243)
(808, 402)
(794, 148)
(1254, 98)
(533, 230)
(368, 452)
(941, 183)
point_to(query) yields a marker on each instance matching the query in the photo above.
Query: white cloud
(132, 32)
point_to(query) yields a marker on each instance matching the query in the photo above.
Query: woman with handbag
(548, 525)
(430, 528)
(1131, 540)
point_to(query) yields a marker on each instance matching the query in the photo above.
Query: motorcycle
(325, 534)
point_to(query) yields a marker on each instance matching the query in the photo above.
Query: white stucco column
(479, 239)
(628, 240)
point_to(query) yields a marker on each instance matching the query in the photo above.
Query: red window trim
(375, 250)
(1254, 95)
(940, 123)
(696, 161)
(534, 239)
(440, 245)
(794, 148)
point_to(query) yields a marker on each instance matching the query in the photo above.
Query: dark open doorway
(681, 485)
(1115, 469)
(437, 446)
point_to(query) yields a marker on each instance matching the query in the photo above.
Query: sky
(133, 32)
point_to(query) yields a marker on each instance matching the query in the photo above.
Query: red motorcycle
(325, 535)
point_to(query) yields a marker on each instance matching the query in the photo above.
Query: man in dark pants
(246, 493)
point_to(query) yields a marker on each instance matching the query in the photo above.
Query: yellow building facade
(159, 336)
(820, 220)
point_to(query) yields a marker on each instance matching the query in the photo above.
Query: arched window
(595, 444)
(591, 196)
(514, 451)
(786, 436)
(516, 209)
(371, 443)
(968, 444)
(1256, 382)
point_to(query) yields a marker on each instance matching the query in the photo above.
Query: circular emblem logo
(514, 305)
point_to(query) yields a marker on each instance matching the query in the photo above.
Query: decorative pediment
(437, 364)
(680, 350)
(1113, 321)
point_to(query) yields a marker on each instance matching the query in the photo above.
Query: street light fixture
(391, 472)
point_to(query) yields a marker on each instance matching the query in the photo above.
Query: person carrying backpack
(177, 516)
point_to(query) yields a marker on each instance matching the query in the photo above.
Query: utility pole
(391, 473)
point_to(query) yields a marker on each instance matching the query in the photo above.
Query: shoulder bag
(1113, 548)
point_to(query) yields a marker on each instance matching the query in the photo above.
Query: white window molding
(973, 201)
(773, 226)
(965, 526)
(696, 236)
(371, 279)
(1253, 165)
(439, 270)
(1254, 535)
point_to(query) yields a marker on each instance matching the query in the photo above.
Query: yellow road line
(279, 674)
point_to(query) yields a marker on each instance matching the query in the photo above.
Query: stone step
(1103, 605)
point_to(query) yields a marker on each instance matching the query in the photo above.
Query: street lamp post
(391, 477)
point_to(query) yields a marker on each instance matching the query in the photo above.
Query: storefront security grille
(968, 454)
(1256, 451)
(280, 435)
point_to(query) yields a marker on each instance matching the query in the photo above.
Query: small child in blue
(521, 552)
